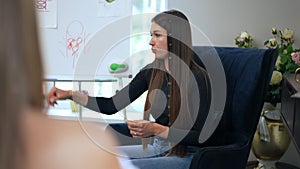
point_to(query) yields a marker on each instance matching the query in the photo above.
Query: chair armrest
(121, 128)
(222, 157)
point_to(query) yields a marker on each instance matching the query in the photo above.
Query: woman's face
(159, 41)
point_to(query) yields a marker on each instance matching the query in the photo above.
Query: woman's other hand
(145, 128)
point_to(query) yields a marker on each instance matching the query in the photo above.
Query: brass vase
(270, 147)
(297, 75)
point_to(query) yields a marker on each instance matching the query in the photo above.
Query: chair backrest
(248, 73)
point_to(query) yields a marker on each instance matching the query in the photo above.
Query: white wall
(221, 21)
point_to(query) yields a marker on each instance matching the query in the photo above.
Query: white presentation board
(81, 38)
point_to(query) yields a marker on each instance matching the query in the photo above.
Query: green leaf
(266, 42)
(283, 58)
(290, 49)
(280, 50)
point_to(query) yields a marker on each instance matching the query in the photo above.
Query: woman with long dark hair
(178, 97)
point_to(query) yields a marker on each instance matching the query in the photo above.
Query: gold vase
(296, 76)
(278, 137)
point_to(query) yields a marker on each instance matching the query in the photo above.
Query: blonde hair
(21, 74)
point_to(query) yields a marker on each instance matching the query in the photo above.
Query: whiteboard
(80, 38)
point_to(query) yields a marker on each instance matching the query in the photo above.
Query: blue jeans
(154, 156)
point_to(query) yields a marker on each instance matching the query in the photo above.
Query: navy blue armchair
(247, 73)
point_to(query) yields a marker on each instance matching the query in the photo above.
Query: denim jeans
(154, 156)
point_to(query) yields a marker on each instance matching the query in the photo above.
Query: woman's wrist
(70, 94)
(78, 97)
(161, 131)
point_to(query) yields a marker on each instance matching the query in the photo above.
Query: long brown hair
(180, 57)
(21, 74)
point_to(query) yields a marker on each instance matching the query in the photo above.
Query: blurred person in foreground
(29, 139)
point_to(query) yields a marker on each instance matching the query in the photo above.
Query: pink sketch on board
(75, 40)
(41, 5)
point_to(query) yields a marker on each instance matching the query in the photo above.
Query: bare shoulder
(64, 144)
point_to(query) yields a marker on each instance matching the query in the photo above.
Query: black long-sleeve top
(140, 83)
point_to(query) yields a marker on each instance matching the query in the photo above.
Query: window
(140, 54)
